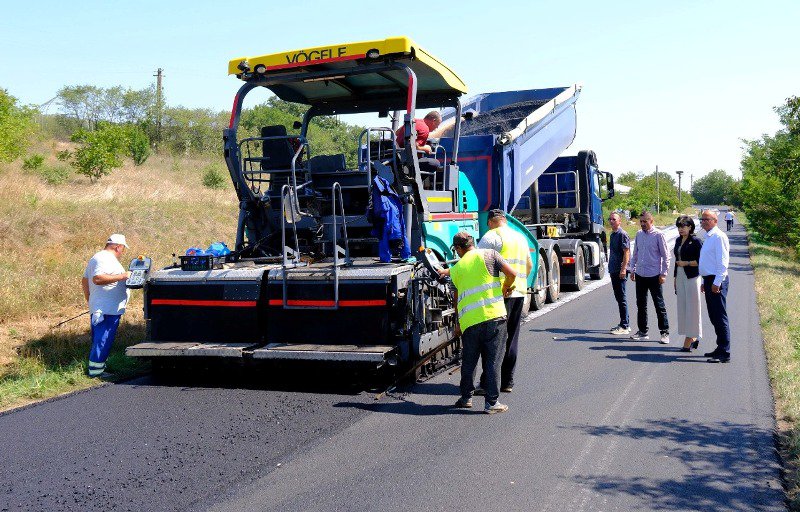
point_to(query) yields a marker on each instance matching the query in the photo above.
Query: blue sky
(675, 84)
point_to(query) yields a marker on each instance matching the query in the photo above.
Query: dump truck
(304, 281)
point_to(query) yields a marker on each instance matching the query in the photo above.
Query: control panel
(139, 269)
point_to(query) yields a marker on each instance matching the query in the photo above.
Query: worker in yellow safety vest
(514, 248)
(481, 316)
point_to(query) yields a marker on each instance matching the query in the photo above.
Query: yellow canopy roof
(341, 73)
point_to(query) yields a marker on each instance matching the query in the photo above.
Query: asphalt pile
(500, 120)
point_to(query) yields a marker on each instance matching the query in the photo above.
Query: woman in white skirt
(687, 282)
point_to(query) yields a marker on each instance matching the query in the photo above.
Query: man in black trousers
(713, 266)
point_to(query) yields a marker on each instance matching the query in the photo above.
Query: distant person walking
(619, 256)
(729, 216)
(686, 280)
(104, 288)
(714, 259)
(481, 316)
(513, 247)
(649, 266)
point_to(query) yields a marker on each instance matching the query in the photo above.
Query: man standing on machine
(104, 288)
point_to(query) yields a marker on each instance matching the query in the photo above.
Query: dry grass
(777, 278)
(48, 232)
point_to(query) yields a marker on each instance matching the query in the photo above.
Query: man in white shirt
(729, 216)
(713, 266)
(104, 288)
(513, 247)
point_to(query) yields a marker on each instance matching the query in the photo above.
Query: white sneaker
(618, 330)
(664, 339)
(495, 408)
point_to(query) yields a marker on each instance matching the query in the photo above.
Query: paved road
(596, 423)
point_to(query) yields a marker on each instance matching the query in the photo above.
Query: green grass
(51, 222)
(777, 281)
(56, 363)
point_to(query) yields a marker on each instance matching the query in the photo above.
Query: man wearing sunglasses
(713, 266)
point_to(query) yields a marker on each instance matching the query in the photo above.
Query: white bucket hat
(116, 238)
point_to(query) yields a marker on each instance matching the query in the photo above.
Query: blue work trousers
(102, 338)
(716, 304)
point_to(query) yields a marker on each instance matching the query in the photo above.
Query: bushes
(33, 162)
(101, 150)
(214, 178)
(55, 174)
(138, 145)
(16, 127)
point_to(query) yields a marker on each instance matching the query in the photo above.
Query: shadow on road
(653, 354)
(725, 467)
(284, 378)
(406, 407)
(571, 334)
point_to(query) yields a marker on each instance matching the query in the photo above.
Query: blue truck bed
(512, 139)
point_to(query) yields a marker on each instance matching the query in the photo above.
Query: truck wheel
(600, 272)
(539, 295)
(553, 278)
(526, 305)
(580, 271)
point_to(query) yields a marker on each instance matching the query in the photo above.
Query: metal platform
(230, 272)
(308, 352)
(366, 269)
(173, 349)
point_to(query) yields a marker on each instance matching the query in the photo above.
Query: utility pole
(691, 183)
(658, 194)
(679, 186)
(159, 102)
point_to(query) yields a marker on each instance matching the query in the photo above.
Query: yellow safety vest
(515, 252)
(480, 296)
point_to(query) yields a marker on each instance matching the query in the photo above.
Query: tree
(16, 127)
(716, 187)
(82, 103)
(770, 187)
(99, 150)
(643, 194)
(88, 105)
(628, 179)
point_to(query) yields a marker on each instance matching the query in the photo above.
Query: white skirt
(689, 321)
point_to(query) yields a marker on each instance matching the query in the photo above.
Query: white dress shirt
(715, 255)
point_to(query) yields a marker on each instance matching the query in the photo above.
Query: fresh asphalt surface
(596, 422)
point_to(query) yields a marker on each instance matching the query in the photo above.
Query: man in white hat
(103, 286)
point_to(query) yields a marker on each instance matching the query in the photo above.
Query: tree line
(645, 194)
(108, 124)
(770, 188)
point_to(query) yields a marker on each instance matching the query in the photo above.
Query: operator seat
(277, 159)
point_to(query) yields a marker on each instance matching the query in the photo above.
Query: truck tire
(580, 270)
(538, 298)
(553, 278)
(600, 270)
(526, 305)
